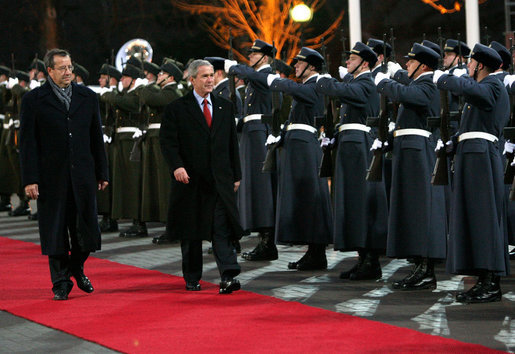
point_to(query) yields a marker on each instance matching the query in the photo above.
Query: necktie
(207, 114)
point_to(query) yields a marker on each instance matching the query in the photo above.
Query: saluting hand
(181, 175)
(102, 185)
(32, 191)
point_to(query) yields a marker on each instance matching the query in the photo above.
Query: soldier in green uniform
(80, 74)
(151, 71)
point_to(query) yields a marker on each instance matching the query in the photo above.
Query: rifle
(440, 172)
(232, 84)
(274, 121)
(460, 97)
(395, 105)
(375, 171)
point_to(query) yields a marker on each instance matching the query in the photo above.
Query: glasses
(64, 68)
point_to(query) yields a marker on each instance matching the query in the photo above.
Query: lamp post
(301, 13)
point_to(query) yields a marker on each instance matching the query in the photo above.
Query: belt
(252, 117)
(127, 130)
(477, 135)
(297, 126)
(353, 126)
(154, 126)
(410, 131)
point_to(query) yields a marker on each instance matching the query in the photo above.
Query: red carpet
(137, 310)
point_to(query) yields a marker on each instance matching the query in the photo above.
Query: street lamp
(301, 13)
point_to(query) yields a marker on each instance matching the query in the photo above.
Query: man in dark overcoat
(199, 143)
(63, 162)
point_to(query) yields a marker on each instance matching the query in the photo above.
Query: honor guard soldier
(478, 237)
(7, 183)
(285, 71)
(360, 207)
(303, 203)
(378, 46)
(80, 74)
(151, 71)
(127, 166)
(417, 219)
(156, 176)
(256, 193)
(108, 80)
(19, 86)
(37, 73)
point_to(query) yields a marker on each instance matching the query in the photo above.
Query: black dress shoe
(5, 207)
(21, 210)
(229, 285)
(83, 283)
(60, 294)
(34, 216)
(487, 289)
(138, 229)
(262, 252)
(163, 239)
(346, 274)
(313, 264)
(421, 278)
(192, 286)
(367, 271)
(108, 224)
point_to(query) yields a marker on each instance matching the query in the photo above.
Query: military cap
(151, 67)
(131, 71)
(176, 62)
(424, 55)
(217, 62)
(452, 45)
(110, 70)
(81, 71)
(135, 61)
(22, 76)
(37, 64)
(282, 67)
(486, 56)
(310, 56)
(503, 52)
(365, 52)
(433, 46)
(171, 68)
(377, 46)
(4, 70)
(261, 47)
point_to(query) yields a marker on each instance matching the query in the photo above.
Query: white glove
(342, 71)
(439, 145)
(138, 133)
(320, 76)
(12, 82)
(120, 87)
(393, 68)
(436, 75)
(107, 139)
(33, 84)
(228, 63)
(513, 162)
(508, 147)
(271, 77)
(16, 123)
(377, 144)
(391, 127)
(380, 77)
(326, 141)
(272, 139)
(460, 72)
(140, 82)
(508, 80)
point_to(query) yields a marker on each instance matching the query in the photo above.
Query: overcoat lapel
(77, 99)
(217, 115)
(48, 96)
(196, 113)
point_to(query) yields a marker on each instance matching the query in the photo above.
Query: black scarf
(63, 94)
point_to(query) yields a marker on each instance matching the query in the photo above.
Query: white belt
(127, 130)
(298, 126)
(410, 131)
(252, 117)
(353, 126)
(477, 135)
(154, 126)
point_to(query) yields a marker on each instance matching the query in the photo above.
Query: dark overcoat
(62, 151)
(211, 159)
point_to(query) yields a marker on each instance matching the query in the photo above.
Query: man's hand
(181, 175)
(436, 75)
(271, 77)
(380, 77)
(236, 186)
(228, 63)
(32, 191)
(102, 185)
(342, 71)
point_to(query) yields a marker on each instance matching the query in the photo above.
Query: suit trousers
(223, 250)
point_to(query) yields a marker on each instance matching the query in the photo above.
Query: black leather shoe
(367, 271)
(20, 211)
(192, 286)
(346, 274)
(138, 229)
(108, 224)
(34, 216)
(60, 294)
(421, 278)
(313, 264)
(487, 289)
(5, 207)
(228, 286)
(262, 252)
(163, 240)
(83, 283)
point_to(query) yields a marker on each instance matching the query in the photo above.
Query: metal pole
(354, 21)
(472, 18)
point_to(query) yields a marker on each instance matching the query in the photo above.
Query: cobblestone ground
(433, 312)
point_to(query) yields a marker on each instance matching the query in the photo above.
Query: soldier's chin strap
(476, 71)
(413, 73)
(357, 67)
(452, 62)
(259, 61)
(303, 71)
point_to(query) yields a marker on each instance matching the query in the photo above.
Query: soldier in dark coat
(304, 213)
(7, 182)
(360, 207)
(63, 162)
(417, 219)
(256, 197)
(199, 144)
(478, 242)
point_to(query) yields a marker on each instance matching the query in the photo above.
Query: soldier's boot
(5, 202)
(163, 239)
(346, 273)
(370, 268)
(108, 224)
(265, 249)
(422, 278)
(22, 209)
(33, 216)
(487, 289)
(316, 260)
(138, 229)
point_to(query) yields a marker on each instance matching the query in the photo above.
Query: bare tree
(443, 9)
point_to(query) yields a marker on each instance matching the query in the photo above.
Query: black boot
(5, 203)
(265, 249)
(346, 274)
(294, 265)
(22, 209)
(164, 239)
(423, 277)
(316, 259)
(370, 269)
(108, 224)
(138, 229)
(487, 289)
